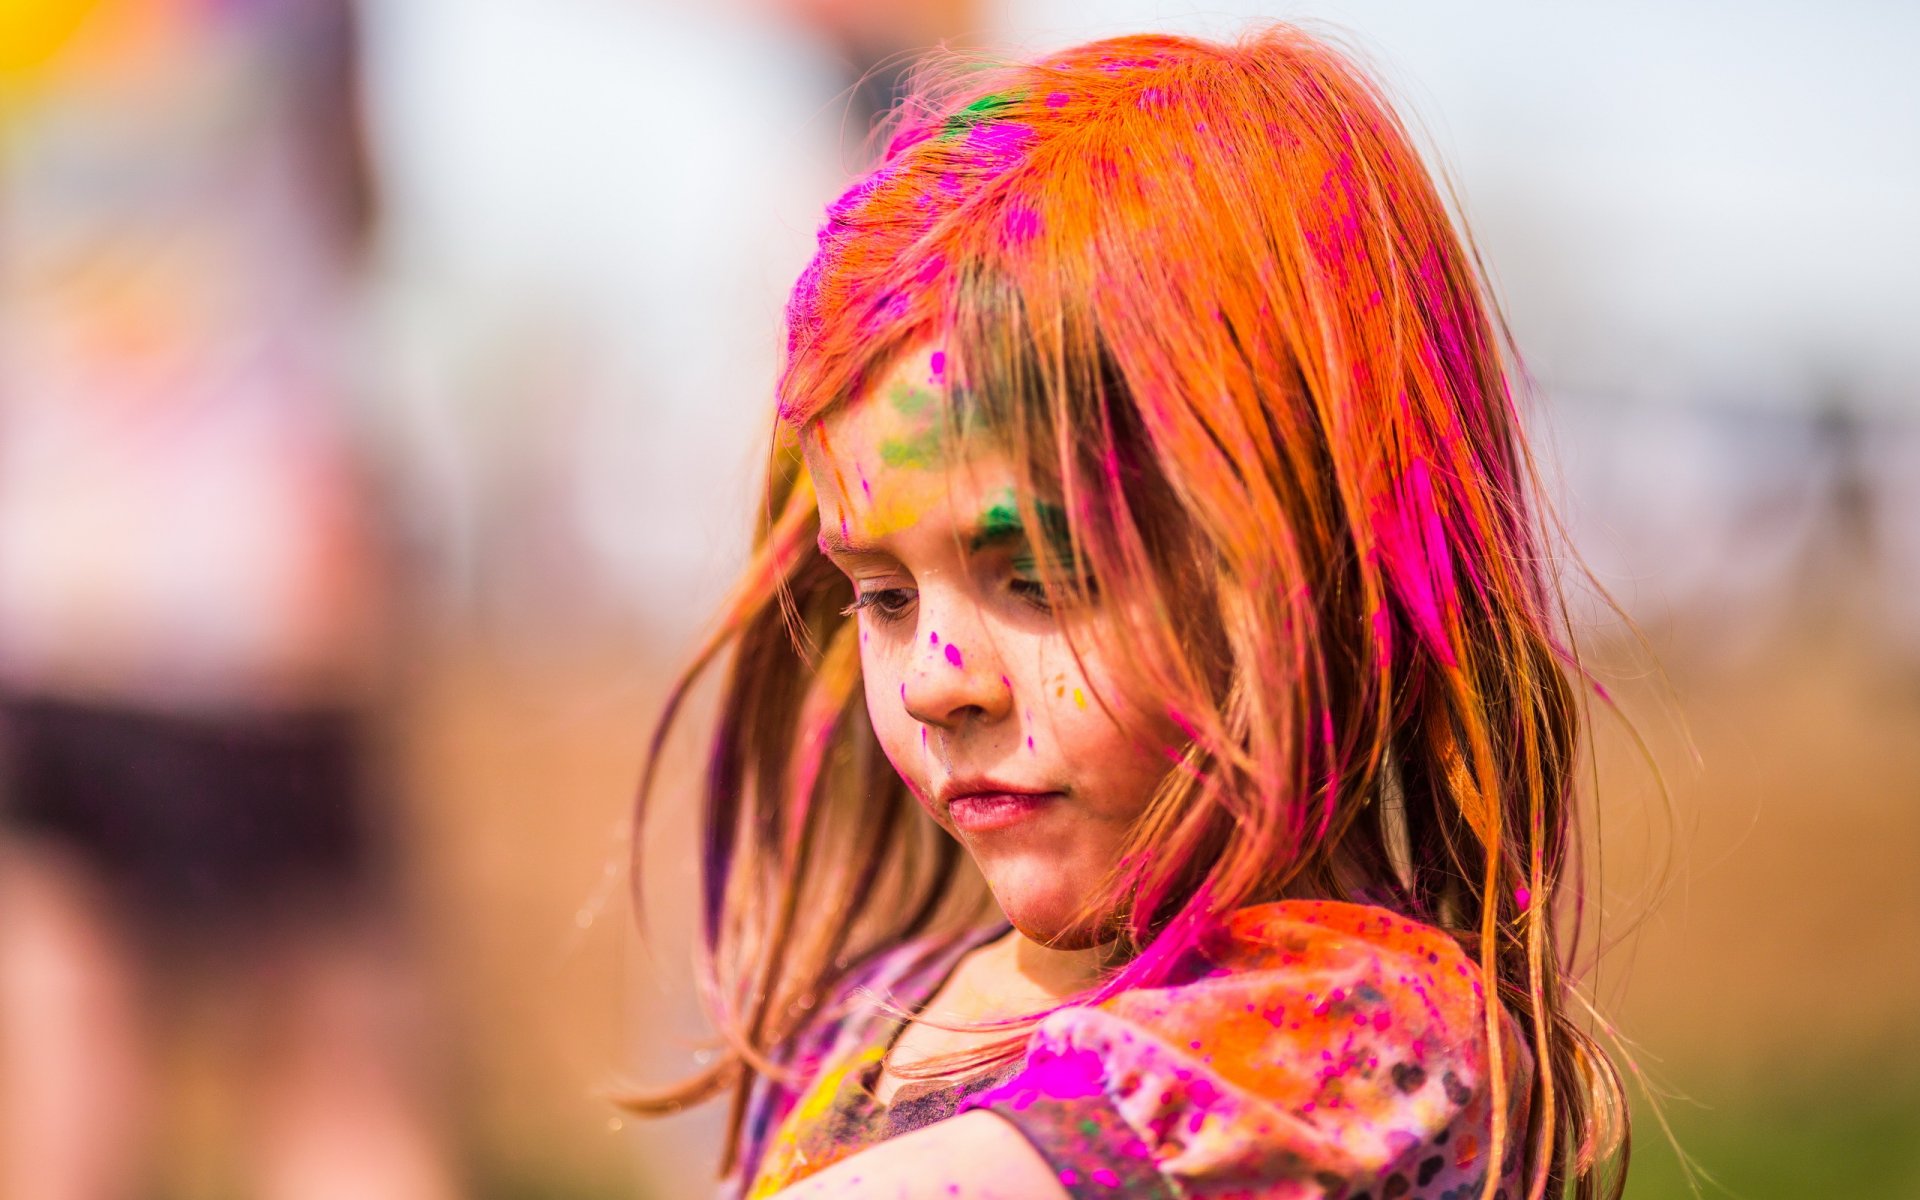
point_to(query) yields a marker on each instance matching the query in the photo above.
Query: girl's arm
(974, 1156)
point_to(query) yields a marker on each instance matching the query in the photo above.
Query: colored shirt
(1306, 1049)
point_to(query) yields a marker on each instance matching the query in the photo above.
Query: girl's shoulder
(846, 1034)
(1336, 1044)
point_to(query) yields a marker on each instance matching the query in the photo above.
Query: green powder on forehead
(911, 399)
(923, 445)
(920, 450)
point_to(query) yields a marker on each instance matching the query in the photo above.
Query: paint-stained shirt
(1307, 1049)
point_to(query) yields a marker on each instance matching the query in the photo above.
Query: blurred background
(380, 391)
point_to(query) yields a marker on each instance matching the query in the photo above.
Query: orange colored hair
(1211, 300)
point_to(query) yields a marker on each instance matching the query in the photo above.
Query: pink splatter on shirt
(1308, 1049)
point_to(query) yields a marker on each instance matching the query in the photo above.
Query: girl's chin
(1047, 918)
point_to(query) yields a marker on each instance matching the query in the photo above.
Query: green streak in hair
(989, 107)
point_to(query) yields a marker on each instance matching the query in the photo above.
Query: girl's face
(972, 686)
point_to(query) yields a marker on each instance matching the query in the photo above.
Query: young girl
(1151, 537)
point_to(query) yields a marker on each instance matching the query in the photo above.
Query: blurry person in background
(191, 599)
(878, 41)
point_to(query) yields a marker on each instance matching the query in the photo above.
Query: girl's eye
(1026, 583)
(886, 604)
(1032, 591)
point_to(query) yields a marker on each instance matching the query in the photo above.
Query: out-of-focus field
(1771, 992)
(1774, 989)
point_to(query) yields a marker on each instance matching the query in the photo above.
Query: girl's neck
(1050, 973)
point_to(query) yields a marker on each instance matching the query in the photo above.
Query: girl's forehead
(887, 460)
(898, 432)
(899, 419)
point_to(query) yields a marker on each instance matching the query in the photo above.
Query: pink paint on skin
(1523, 898)
(938, 363)
(953, 654)
(933, 639)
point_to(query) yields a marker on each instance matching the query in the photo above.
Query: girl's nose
(952, 682)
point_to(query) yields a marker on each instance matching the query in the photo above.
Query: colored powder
(1022, 226)
(911, 401)
(999, 142)
(922, 447)
(1075, 1075)
(953, 654)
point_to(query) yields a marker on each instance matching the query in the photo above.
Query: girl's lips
(980, 812)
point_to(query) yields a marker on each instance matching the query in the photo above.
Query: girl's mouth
(980, 812)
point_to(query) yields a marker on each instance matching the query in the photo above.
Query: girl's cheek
(899, 735)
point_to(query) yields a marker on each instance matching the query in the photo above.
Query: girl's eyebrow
(836, 543)
(1000, 523)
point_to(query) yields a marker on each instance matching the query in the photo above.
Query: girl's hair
(1210, 302)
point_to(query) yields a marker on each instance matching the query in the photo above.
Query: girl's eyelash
(1034, 591)
(883, 609)
(891, 604)
(1031, 591)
